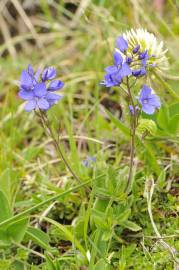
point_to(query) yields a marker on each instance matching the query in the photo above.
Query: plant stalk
(47, 126)
(132, 143)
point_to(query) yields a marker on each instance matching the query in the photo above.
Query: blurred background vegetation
(77, 37)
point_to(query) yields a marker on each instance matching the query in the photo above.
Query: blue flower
(37, 93)
(139, 72)
(131, 109)
(116, 73)
(88, 161)
(144, 56)
(121, 44)
(150, 102)
(136, 49)
(49, 73)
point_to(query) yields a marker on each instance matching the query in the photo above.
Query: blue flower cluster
(132, 63)
(38, 88)
(126, 63)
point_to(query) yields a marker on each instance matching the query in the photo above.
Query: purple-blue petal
(145, 92)
(52, 96)
(125, 70)
(136, 72)
(37, 75)
(55, 85)
(136, 49)
(128, 60)
(117, 58)
(40, 90)
(111, 69)
(43, 104)
(121, 44)
(154, 100)
(26, 94)
(49, 73)
(143, 71)
(30, 70)
(26, 80)
(144, 55)
(30, 105)
(148, 109)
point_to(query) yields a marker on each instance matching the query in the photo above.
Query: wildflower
(48, 74)
(150, 102)
(116, 73)
(38, 92)
(88, 161)
(139, 72)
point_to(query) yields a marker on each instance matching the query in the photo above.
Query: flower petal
(26, 94)
(37, 74)
(148, 109)
(154, 100)
(55, 85)
(43, 104)
(49, 73)
(136, 49)
(125, 70)
(30, 70)
(122, 44)
(117, 58)
(52, 96)
(26, 80)
(111, 69)
(145, 92)
(30, 105)
(40, 90)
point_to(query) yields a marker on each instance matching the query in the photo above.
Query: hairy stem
(132, 143)
(46, 124)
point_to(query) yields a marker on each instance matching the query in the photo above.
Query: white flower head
(148, 41)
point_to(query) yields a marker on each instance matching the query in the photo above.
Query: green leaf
(50, 264)
(4, 237)
(131, 226)
(39, 237)
(101, 264)
(122, 216)
(118, 124)
(163, 118)
(17, 230)
(5, 211)
(67, 233)
(161, 181)
(174, 109)
(174, 124)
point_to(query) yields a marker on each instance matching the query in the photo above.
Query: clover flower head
(38, 90)
(140, 40)
(148, 100)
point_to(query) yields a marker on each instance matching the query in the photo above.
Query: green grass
(115, 229)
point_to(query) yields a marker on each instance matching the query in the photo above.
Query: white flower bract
(149, 42)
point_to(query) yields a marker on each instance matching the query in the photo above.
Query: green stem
(132, 143)
(46, 124)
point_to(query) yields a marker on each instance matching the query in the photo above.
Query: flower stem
(132, 143)
(46, 124)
